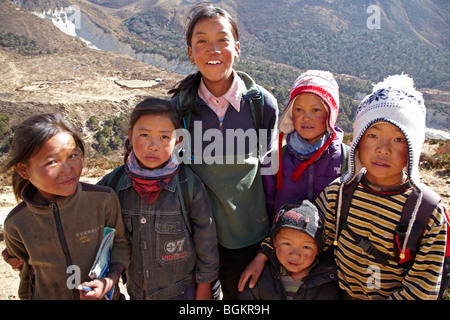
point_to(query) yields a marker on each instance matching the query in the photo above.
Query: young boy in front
(294, 271)
(389, 131)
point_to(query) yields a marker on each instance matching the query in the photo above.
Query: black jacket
(320, 284)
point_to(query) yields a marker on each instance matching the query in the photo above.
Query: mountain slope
(72, 78)
(282, 38)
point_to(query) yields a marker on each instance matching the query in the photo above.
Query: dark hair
(204, 11)
(191, 83)
(152, 106)
(29, 137)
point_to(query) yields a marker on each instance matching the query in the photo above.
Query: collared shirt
(220, 104)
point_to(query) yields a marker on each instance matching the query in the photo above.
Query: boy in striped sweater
(388, 135)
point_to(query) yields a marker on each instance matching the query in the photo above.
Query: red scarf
(149, 188)
(301, 167)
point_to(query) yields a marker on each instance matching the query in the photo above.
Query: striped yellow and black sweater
(375, 215)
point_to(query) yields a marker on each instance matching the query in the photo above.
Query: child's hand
(14, 262)
(253, 271)
(203, 291)
(96, 289)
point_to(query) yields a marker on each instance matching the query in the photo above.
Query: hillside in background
(279, 40)
(411, 36)
(46, 70)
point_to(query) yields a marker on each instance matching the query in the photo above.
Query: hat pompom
(398, 82)
(394, 100)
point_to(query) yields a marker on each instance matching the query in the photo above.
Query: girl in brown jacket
(57, 229)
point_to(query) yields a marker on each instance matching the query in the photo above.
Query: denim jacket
(165, 258)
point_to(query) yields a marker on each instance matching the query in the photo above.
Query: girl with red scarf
(167, 262)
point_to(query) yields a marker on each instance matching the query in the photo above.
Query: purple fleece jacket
(312, 181)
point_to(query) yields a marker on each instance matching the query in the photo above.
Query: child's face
(214, 49)
(309, 117)
(56, 169)
(152, 141)
(295, 250)
(383, 150)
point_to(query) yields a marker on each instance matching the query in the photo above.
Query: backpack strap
(362, 242)
(185, 115)
(283, 151)
(365, 244)
(185, 187)
(347, 195)
(184, 112)
(430, 200)
(257, 109)
(345, 151)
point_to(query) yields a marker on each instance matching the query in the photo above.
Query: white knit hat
(395, 100)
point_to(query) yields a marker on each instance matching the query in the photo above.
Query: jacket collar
(29, 195)
(171, 185)
(334, 146)
(232, 96)
(250, 88)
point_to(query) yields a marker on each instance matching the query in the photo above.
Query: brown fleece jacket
(36, 233)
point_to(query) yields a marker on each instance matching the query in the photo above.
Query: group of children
(299, 231)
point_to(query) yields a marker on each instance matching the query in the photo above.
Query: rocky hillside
(69, 72)
(73, 78)
(346, 37)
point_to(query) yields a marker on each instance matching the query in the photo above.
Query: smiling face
(56, 169)
(153, 140)
(296, 251)
(383, 150)
(213, 49)
(309, 117)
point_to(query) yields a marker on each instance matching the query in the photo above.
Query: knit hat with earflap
(323, 85)
(303, 216)
(395, 101)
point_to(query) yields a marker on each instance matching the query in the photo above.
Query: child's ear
(22, 170)
(238, 49)
(191, 58)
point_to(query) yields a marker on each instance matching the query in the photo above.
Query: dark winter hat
(302, 216)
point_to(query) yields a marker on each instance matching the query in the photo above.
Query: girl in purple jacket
(312, 156)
